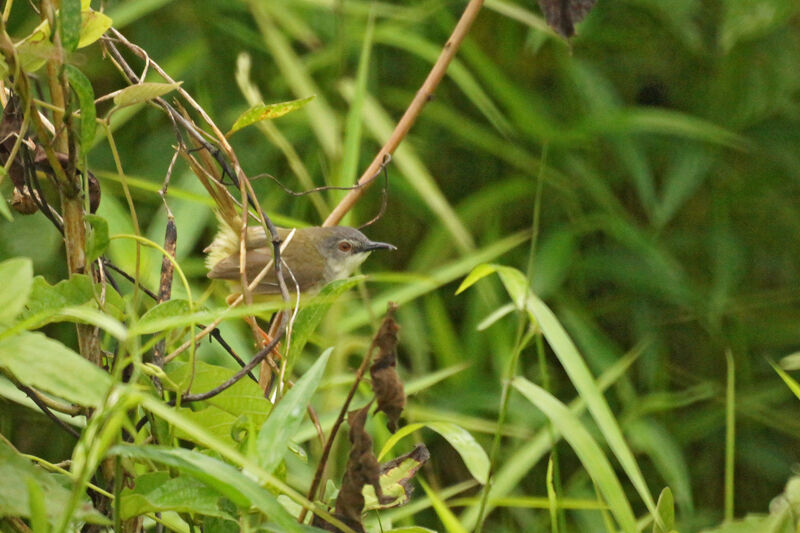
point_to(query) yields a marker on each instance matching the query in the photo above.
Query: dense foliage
(633, 191)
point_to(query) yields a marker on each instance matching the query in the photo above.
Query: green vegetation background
(666, 136)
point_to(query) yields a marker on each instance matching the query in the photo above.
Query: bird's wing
(228, 269)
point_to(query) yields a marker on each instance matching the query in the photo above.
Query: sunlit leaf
(143, 92)
(461, 440)
(69, 18)
(285, 418)
(48, 365)
(589, 452)
(94, 25)
(15, 499)
(96, 238)
(16, 278)
(267, 111)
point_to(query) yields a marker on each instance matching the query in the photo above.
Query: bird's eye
(345, 246)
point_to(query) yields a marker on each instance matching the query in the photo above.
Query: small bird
(313, 257)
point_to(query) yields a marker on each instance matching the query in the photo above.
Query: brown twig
(424, 94)
(342, 413)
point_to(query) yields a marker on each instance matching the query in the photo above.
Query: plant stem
(424, 94)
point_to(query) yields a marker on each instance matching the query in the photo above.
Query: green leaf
(143, 92)
(309, 316)
(474, 457)
(38, 508)
(587, 387)
(285, 418)
(46, 300)
(223, 411)
(267, 111)
(353, 125)
(395, 479)
(588, 451)
(16, 278)
(477, 274)
(514, 281)
(158, 492)
(93, 25)
(96, 237)
(51, 367)
(793, 385)
(170, 308)
(85, 93)
(69, 19)
(35, 49)
(449, 520)
(222, 477)
(3, 74)
(666, 510)
(15, 471)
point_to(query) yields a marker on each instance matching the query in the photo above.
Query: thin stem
(730, 434)
(424, 95)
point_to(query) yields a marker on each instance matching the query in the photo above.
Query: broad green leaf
(220, 476)
(96, 237)
(143, 92)
(49, 366)
(159, 492)
(309, 317)
(93, 25)
(16, 278)
(170, 308)
(47, 300)
(15, 500)
(285, 418)
(588, 451)
(35, 49)
(266, 112)
(69, 19)
(474, 457)
(666, 510)
(219, 414)
(85, 93)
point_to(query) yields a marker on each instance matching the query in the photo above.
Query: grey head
(344, 249)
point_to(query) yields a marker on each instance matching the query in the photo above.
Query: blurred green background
(666, 140)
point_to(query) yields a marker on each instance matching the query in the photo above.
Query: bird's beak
(371, 245)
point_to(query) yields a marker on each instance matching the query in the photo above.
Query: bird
(313, 257)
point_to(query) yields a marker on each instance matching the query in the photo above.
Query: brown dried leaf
(562, 15)
(386, 382)
(9, 130)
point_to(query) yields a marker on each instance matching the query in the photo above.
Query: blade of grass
(591, 456)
